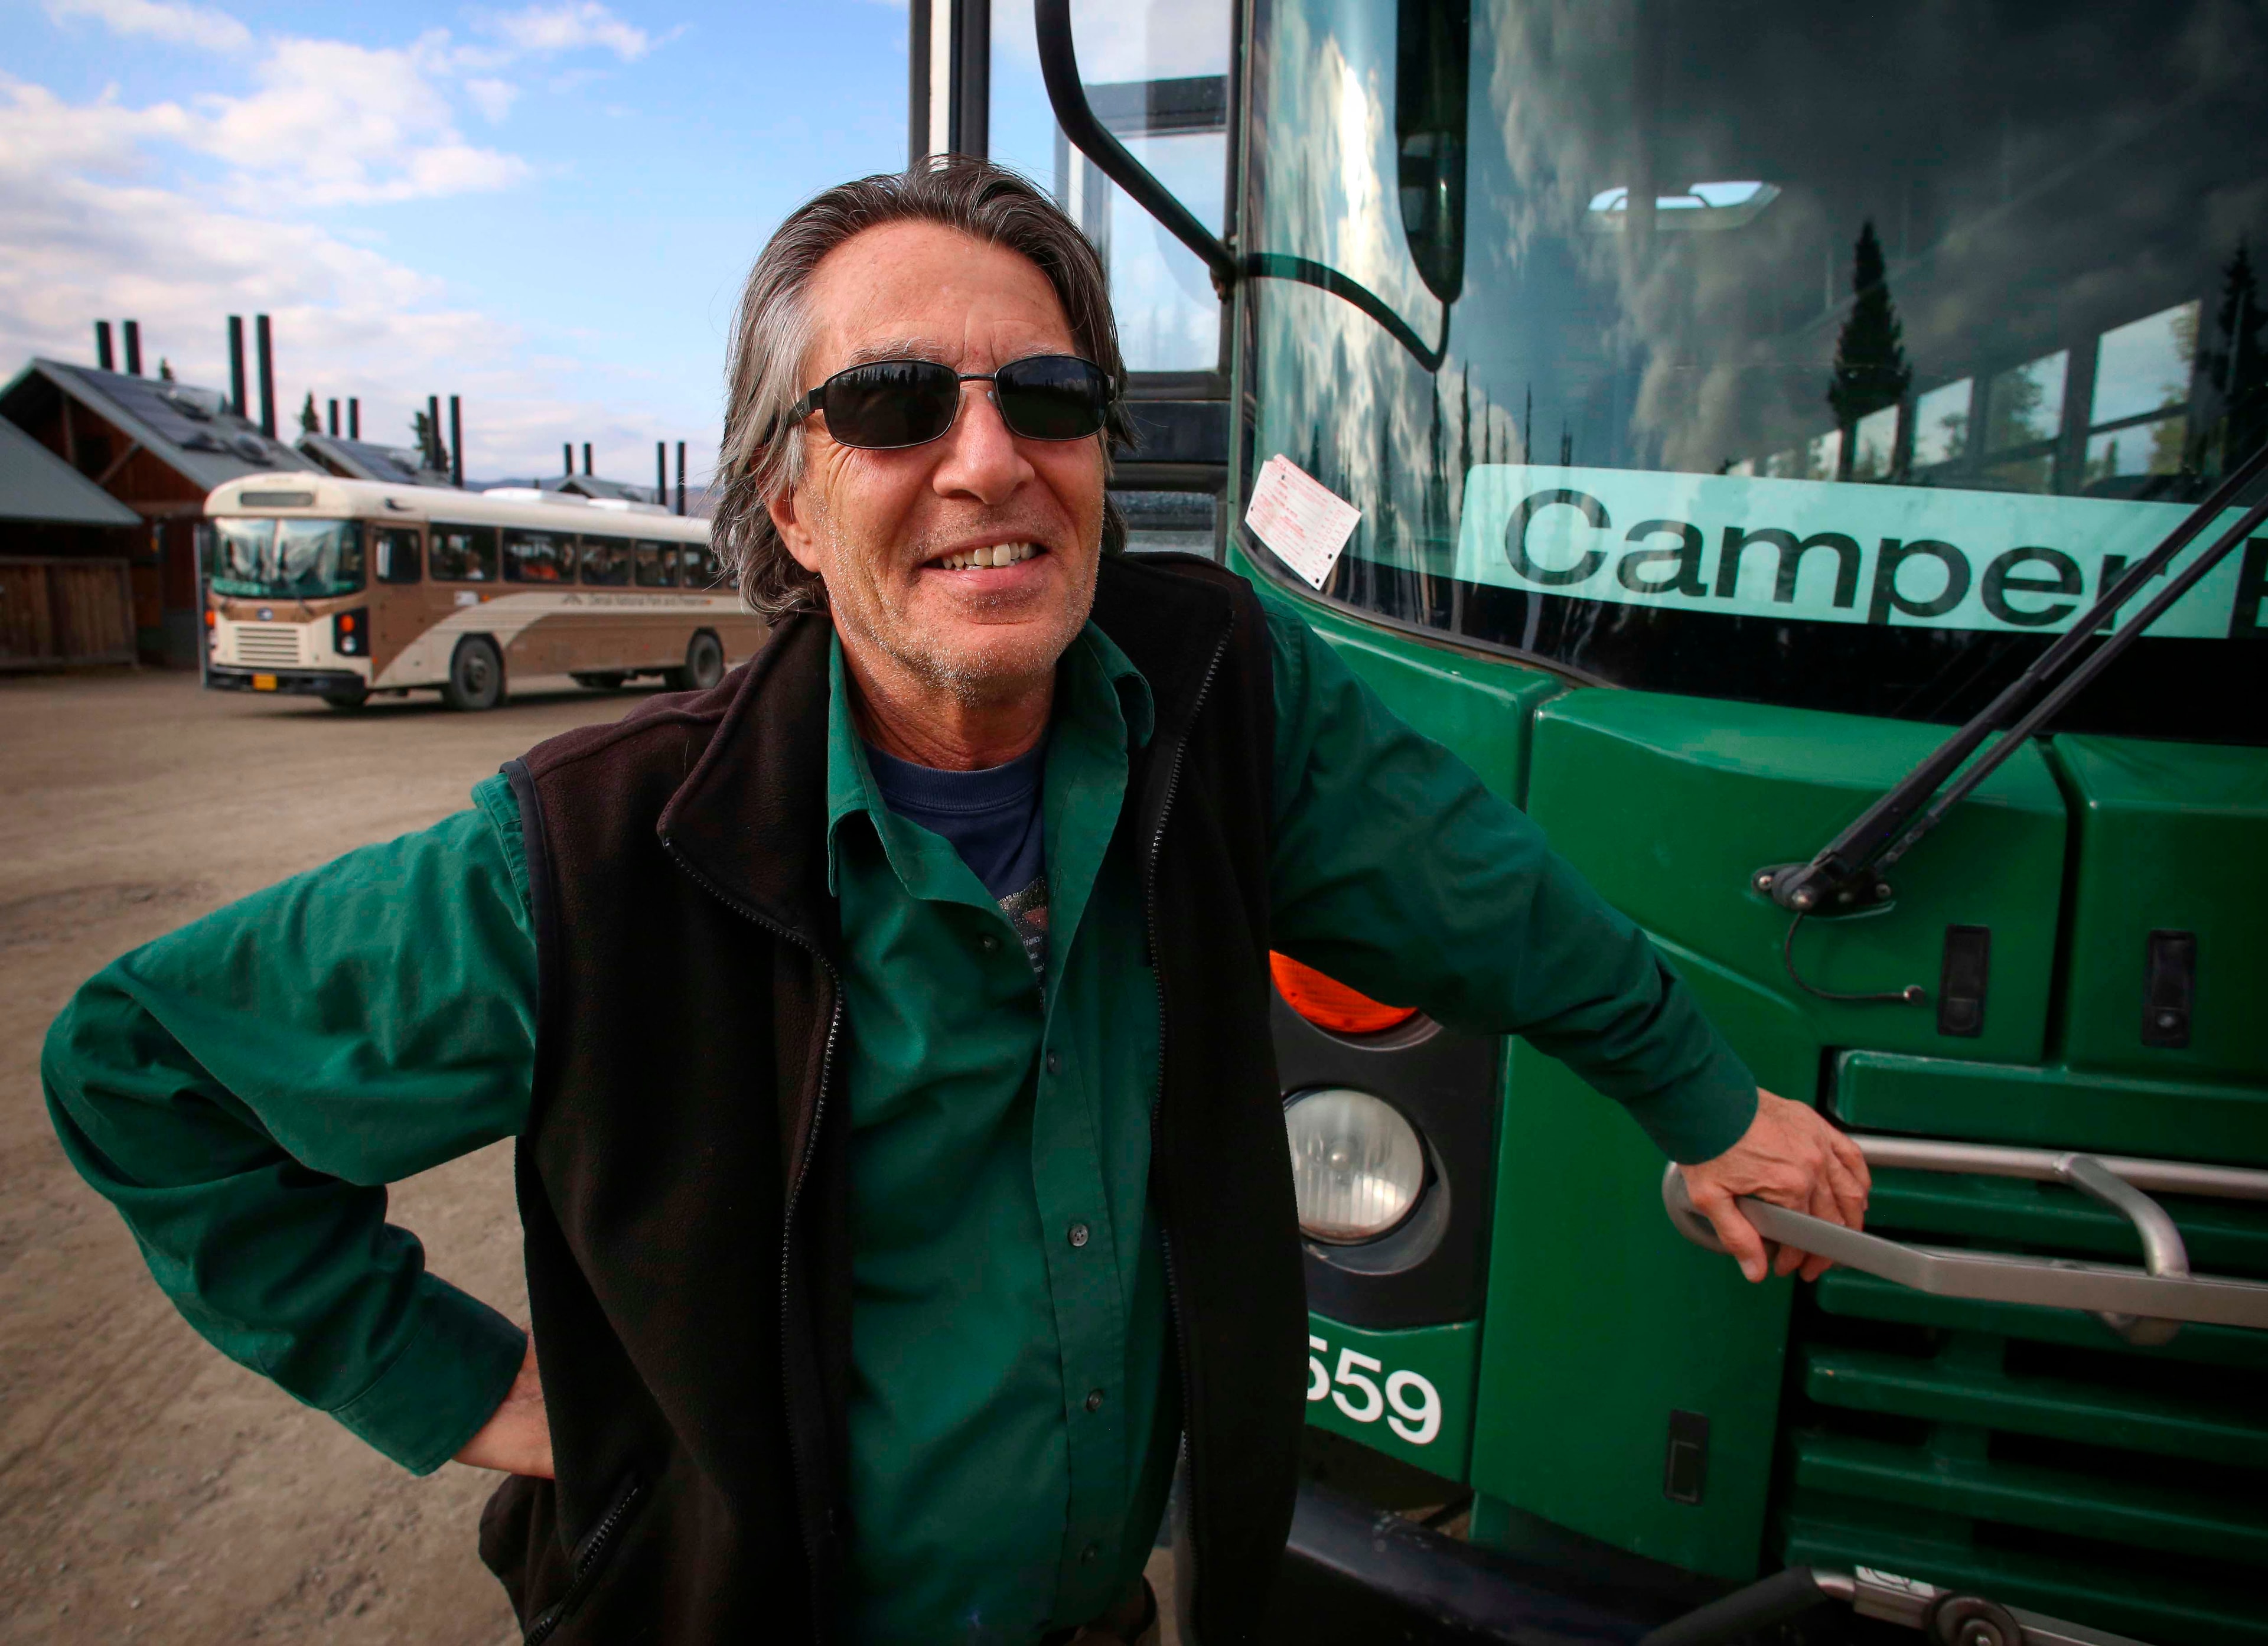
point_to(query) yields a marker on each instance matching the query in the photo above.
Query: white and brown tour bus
(343, 588)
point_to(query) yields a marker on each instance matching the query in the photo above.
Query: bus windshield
(285, 560)
(1811, 355)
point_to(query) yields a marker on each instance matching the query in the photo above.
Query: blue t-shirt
(993, 819)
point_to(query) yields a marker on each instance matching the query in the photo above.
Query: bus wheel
(475, 675)
(704, 663)
(346, 702)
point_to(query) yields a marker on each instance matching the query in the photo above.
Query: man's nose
(981, 459)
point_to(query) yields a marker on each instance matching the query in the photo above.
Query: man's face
(879, 527)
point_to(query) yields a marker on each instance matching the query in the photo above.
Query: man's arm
(243, 1089)
(1397, 871)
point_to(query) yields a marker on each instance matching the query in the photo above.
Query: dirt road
(150, 1488)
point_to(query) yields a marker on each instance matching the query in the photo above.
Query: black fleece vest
(684, 1176)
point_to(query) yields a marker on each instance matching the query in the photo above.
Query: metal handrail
(2143, 1305)
(2041, 1165)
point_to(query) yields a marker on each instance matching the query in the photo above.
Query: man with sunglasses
(884, 1031)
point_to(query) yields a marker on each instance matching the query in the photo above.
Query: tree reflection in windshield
(286, 559)
(1880, 251)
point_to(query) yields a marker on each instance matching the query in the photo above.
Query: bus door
(398, 597)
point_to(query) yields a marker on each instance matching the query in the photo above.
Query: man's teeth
(997, 555)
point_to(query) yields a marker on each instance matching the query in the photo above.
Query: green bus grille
(2030, 1454)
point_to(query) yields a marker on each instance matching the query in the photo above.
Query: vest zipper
(1158, 1102)
(802, 1165)
(588, 1560)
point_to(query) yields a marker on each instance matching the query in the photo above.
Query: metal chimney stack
(236, 400)
(661, 473)
(264, 346)
(334, 424)
(433, 457)
(681, 477)
(354, 418)
(586, 457)
(103, 358)
(133, 348)
(456, 443)
(567, 457)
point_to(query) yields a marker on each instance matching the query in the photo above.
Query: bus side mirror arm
(1059, 68)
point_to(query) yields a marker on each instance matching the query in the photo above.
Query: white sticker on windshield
(1305, 523)
(1908, 555)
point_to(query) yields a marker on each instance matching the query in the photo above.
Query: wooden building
(158, 448)
(66, 595)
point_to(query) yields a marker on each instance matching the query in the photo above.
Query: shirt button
(1077, 1234)
(1087, 1555)
(1094, 1399)
(1055, 1062)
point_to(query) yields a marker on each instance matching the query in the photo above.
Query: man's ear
(794, 530)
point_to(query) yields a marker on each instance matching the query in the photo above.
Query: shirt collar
(1098, 686)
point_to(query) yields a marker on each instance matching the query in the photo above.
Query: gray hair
(763, 453)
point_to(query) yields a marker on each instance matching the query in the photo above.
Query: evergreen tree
(164, 370)
(421, 431)
(309, 422)
(2238, 368)
(1870, 358)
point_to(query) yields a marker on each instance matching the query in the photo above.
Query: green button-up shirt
(242, 1088)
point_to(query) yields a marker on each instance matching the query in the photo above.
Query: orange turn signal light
(347, 624)
(212, 618)
(1330, 1004)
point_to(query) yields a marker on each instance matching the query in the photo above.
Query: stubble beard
(967, 676)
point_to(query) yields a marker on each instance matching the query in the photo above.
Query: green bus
(1735, 400)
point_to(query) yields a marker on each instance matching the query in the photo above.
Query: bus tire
(704, 663)
(346, 702)
(475, 675)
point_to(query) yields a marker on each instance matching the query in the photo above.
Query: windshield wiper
(1846, 875)
(1086, 133)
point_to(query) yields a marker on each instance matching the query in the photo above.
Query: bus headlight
(1357, 1165)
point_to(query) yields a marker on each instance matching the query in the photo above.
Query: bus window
(464, 554)
(394, 555)
(657, 565)
(538, 557)
(284, 559)
(606, 560)
(701, 569)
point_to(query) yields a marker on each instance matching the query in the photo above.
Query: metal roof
(35, 484)
(599, 486)
(367, 460)
(191, 431)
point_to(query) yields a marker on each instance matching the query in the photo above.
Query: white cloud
(160, 19)
(493, 98)
(327, 123)
(76, 243)
(99, 217)
(548, 30)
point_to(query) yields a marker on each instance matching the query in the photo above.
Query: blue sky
(545, 208)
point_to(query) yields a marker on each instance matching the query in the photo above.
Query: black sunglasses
(887, 404)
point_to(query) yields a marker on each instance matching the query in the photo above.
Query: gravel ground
(150, 1488)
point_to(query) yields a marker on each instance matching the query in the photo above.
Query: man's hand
(517, 1437)
(1791, 1158)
